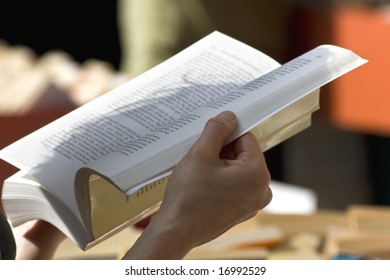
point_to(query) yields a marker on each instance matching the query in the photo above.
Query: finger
(216, 133)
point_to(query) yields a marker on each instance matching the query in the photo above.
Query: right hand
(213, 188)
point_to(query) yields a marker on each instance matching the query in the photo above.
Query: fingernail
(228, 115)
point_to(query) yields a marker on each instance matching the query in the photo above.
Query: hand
(212, 189)
(37, 240)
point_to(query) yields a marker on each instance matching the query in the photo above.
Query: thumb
(216, 132)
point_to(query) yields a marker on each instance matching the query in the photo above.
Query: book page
(253, 103)
(137, 114)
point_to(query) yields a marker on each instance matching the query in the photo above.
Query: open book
(105, 165)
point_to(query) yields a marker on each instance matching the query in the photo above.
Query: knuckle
(218, 125)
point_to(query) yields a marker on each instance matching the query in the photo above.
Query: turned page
(137, 114)
(292, 81)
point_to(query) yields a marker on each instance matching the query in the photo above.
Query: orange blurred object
(360, 101)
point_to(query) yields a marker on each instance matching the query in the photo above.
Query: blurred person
(154, 30)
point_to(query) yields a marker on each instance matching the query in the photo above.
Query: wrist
(161, 240)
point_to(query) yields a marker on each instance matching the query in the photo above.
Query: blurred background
(57, 55)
